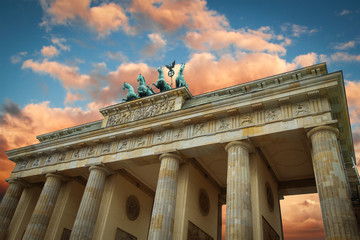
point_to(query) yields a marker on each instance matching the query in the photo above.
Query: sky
(62, 60)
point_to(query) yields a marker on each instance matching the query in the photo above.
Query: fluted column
(8, 205)
(84, 224)
(163, 214)
(336, 208)
(238, 195)
(44, 208)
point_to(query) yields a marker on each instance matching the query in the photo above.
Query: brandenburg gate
(162, 166)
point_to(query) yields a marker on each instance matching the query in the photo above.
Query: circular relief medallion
(269, 197)
(132, 207)
(204, 202)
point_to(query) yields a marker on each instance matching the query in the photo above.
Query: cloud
(157, 43)
(18, 57)
(344, 57)
(70, 97)
(49, 51)
(297, 30)
(205, 73)
(302, 218)
(119, 56)
(344, 12)
(306, 59)
(60, 43)
(344, 46)
(353, 98)
(108, 17)
(250, 40)
(69, 76)
(104, 19)
(19, 127)
(171, 15)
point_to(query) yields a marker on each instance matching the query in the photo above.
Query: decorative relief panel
(195, 233)
(23, 164)
(204, 202)
(247, 119)
(268, 232)
(301, 109)
(62, 157)
(223, 124)
(106, 148)
(179, 133)
(36, 162)
(123, 145)
(132, 208)
(272, 114)
(91, 151)
(199, 129)
(122, 235)
(49, 159)
(141, 113)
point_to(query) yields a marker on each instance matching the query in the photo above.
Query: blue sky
(62, 60)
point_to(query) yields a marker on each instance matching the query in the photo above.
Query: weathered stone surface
(336, 208)
(162, 219)
(40, 218)
(238, 195)
(8, 205)
(89, 207)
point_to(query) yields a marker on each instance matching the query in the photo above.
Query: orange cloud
(49, 51)
(301, 217)
(171, 15)
(242, 39)
(108, 17)
(19, 127)
(103, 19)
(306, 59)
(204, 73)
(70, 97)
(69, 76)
(157, 43)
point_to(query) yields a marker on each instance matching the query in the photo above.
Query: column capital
(21, 182)
(170, 155)
(101, 168)
(62, 179)
(323, 128)
(238, 143)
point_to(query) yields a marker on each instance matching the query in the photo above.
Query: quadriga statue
(180, 81)
(161, 84)
(143, 89)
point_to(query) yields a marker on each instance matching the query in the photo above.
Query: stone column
(84, 224)
(44, 208)
(8, 205)
(163, 214)
(238, 194)
(336, 208)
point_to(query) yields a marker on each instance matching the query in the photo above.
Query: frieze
(141, 113)
(169, 135)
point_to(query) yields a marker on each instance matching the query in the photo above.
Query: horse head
(182, 68)
(139, 77)
(126, 85)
